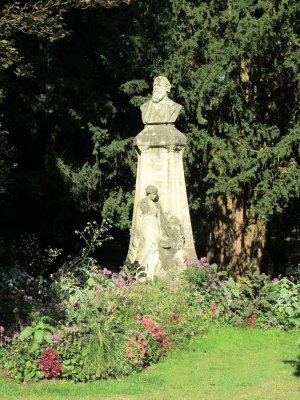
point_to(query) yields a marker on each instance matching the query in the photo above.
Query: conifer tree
(234, 66)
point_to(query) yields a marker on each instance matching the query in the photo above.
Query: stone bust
(160, 109)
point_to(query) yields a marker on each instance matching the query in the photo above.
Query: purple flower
(268, 323)
(214, 285)
(56, 338)
(106, 271)
(121, 283)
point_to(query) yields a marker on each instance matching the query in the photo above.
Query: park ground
(223, 363)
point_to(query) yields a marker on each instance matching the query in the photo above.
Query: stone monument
(161, 235)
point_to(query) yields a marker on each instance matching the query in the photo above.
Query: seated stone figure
(160, 109)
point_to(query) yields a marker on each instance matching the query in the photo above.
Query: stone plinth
(160, 148)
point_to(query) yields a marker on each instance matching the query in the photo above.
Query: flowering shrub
(136, 348)
(49, 363)
(100, 324)
(254, 300)
(155, 331)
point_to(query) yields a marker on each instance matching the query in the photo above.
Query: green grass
(227, 363)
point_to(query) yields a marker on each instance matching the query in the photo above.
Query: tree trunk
(237, 239)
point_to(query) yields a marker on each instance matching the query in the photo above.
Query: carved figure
(160, 109)
(172, 242)
(158, 241)
(145, 240)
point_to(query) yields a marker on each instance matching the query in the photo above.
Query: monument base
(161, 235)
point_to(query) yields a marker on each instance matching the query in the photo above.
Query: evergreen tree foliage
(73, 74)
(235, 68)
(59, 88)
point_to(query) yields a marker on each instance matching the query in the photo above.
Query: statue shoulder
(174, 105)
(144, 106)
(174, 110)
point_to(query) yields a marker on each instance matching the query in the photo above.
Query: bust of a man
(160, 109)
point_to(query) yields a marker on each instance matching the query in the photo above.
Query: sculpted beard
(159, 93)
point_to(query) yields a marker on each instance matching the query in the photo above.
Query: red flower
(251, 320)
(156, 331)
(49, 363)
(214, 308)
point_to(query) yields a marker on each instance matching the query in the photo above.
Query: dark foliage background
(72, 76)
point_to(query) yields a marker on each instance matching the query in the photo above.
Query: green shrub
(104, 326)
(98, 324)
(254, 300)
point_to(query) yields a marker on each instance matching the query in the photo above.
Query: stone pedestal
(160, 148)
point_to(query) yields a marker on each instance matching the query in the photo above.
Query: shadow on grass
(295, 364)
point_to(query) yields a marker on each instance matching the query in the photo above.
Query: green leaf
(26, 333)
(289, 310)
(90, 282)
(38, 336)
(34, 347)
(47, 336)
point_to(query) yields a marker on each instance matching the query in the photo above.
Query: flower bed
(94, 324)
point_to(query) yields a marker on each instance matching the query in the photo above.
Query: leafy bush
(254, 300)
(22, 284)
(99, 324)
(106, 325)
(287, 303)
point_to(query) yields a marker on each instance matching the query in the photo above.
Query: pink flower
(2, 329)
(214, 308)
(106, 271)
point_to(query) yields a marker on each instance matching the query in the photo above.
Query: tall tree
(235, 69)
(57, 81)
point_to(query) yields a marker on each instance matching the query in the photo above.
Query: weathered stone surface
(160, 109)
(163, 135)
(161, 235)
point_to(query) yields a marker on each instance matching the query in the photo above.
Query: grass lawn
(227, 363)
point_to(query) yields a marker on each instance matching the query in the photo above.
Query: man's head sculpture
(161, 88)
(160, 109)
